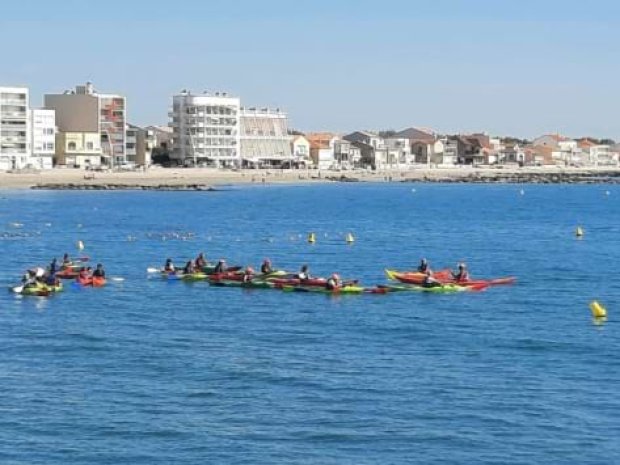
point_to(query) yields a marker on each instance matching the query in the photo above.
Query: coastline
(208, 179)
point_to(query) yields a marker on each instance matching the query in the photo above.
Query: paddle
(17, 289)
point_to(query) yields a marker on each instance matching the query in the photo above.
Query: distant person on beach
(461, 275)
(265, 268)
(424, 267)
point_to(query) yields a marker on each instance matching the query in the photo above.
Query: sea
(150, 371)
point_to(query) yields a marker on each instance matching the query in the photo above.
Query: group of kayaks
(44, 282)
(443, 281)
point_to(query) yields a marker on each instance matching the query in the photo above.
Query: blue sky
(520, 67)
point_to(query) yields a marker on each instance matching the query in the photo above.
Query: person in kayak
(169, 266)
(248, 274)
(99, 271)
(83, 274)
(66, 261)
(304, 273)
(53, 266)
(429, 281)
(424, 267)
(220, 267)
(189, 268)
(30, 279)
(200, 261)
(51, 279)
(461, 275)
(334, 282)
(265, 268)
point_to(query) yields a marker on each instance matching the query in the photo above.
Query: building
(15, 138)
(322, 149)
(78, 149)
(86, 111)
(264, 138)
(43, 137)
(140, 143)
(205, 129)
(300, 149)
(346, 155)
(162, 135)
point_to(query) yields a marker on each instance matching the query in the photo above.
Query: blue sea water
(146, 371)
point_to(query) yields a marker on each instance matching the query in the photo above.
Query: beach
(209, 178)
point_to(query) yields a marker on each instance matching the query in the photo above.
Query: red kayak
(67, 273)
(312, 282)
(418, 278)
(94, 281)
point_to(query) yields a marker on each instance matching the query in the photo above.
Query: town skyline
(506, 70)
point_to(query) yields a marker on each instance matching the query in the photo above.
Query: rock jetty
(120, 187)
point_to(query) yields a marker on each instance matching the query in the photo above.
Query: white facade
(14, 128)
(264, 136)
(205, 129)
(43, 131)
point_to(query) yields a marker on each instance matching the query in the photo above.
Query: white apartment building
(14, 128)
(43, 137)
(84, 110)
(264, 138)
(205, 129)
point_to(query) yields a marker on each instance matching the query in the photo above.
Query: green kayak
(443, 289)
(247, 285)
(338, 291)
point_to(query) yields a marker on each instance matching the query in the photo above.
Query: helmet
(335, 276)
(424, 260)
(304, 268)
(461, 266)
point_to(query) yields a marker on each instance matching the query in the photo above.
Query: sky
(507, 67)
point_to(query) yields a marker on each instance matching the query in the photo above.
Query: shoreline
(209, 179)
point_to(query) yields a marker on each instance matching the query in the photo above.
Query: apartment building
(43, 137)
(205, 129)
(85, 110)
(264, 138)
(15, 136)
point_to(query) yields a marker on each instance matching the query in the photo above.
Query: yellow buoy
(350, 239)
(311, 238)
(80, 245)
(598, 311)
(579, 231)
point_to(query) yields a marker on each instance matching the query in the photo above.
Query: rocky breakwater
(118, 187)
(514, 177)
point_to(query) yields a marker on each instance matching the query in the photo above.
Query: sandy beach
(209, 177)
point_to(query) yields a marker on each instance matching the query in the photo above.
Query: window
(90, 146)
(48, 131)
(71, 146)
(49, 146)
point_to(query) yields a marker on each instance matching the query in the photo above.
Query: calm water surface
(152, 372)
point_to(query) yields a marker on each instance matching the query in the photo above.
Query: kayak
(94, 281)
(418, 278)
(238, 276)
(67, 273)
(42, 290)
(241, 284)
(442, 289)
(341, 290)
(312, 282)
(210, 269)
(173, 276)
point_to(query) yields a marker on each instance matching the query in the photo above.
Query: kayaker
(424, 267)
(83, 274)
(429, 281)
(51, 279)
(248, 274)
(220, 267)
(200, 261)
(334, 282)
(169, 266)
(304, 273)
(53, 266)
(66, 261)
(189, 268)
(30, 279)
(265, 268)
(99, 271)
(461, 275)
